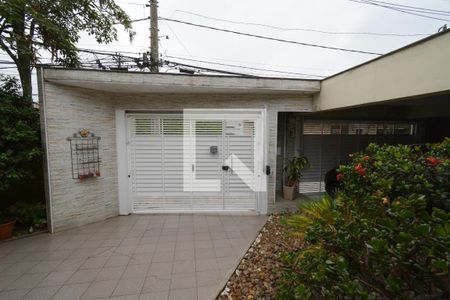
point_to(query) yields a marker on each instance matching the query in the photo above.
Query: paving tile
(94, 262)
(136, 271)
(183, 281)
(207, 292)
(156, 284)
(209, 278)
(58, 254)
(163, 256)
(6, 280)
(13, 294)
(117, 261)
(206, 264)
(183, 294)
(224, 251)
(140, 258)
(227, 263)
(57, 278)
(69, 265)
(26, 281)
(207, 253)
(4, 266)
(202, 244)
(163, 268)
(125, 250)
(45, 266)
(184, 255)
(72, 291)
(145, 248)
(111, 242)
(83, 276)
(180, 267)
(129, 286)
(41, 293)
(110, 273)
(100, 289)
(126, 297)
(185, 245)
(19, 268)
(155, 296)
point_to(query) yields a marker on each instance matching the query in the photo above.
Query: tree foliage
(20, 145)
(26, 26)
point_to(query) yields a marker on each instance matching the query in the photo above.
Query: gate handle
(225, 168)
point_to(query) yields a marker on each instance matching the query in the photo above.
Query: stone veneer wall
(67, 109)
(75, 203)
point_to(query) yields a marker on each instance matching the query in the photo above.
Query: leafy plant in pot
(293, 172)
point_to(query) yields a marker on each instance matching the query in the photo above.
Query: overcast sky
(324, 15)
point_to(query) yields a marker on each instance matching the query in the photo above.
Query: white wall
(417, 70)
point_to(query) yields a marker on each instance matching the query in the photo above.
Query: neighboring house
(152, 158)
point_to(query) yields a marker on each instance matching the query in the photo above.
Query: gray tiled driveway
(133, 257)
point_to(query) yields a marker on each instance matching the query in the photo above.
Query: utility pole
(154, 40)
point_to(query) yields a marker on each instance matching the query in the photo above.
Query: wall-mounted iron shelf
(85, 157)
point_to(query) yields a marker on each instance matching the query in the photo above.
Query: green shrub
(32, 216)
(21, 175)
(389, 235)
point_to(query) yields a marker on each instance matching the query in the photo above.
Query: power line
(252, 63)
(111, 53)
(403, 10)
(269, 38)
(179, 41)
(423, 9)
(208, 69)
(299, 29)
(245, 67)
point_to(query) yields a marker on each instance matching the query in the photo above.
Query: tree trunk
(25, 77)
(24, 51)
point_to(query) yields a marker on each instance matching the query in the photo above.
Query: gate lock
(213, 149)
(225, 168)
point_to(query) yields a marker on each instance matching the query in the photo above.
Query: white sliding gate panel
(157, 154)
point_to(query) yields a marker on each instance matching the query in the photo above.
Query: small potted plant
(293, 172)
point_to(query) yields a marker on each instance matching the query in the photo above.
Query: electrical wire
(249, 68)
(208, 69)
(403, 10)
(300, 29)
(179, 40)
(269, 38)
(133, 59)
(423, 9)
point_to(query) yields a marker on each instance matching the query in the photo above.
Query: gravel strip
(258, 272)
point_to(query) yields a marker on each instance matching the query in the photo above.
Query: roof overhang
(141, 83)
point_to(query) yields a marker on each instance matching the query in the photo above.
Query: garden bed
(257, 275)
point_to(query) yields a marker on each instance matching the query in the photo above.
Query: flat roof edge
(421, 41)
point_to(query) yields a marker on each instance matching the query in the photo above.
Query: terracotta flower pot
(6, 230)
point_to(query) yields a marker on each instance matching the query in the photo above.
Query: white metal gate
(157, 161)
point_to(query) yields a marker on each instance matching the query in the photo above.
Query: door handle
(225, 168)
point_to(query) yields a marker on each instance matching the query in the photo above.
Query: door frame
(124, 183)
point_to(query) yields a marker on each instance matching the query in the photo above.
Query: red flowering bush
(388, 235)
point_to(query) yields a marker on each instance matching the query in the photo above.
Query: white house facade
(171, 143)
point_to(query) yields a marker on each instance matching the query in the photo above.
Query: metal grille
(327, 144)
(85, 158)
